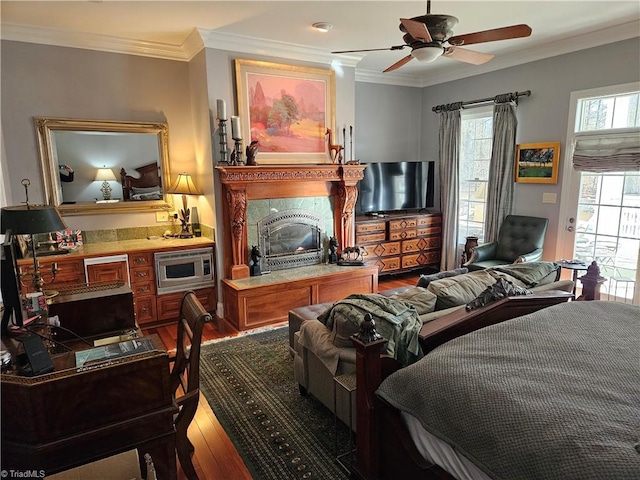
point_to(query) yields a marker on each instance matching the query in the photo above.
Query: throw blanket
(530, 273)
(552, 395)
(396, 321)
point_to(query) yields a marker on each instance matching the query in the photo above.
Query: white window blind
(607, 151)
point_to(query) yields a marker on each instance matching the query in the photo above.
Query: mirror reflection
(103, 166)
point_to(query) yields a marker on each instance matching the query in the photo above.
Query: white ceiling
(177, 29)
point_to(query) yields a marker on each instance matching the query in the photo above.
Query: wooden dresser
(131, 261)
(400, 242)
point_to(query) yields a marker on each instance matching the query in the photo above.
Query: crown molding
(261, 46)
(201, 38)
(90, 41)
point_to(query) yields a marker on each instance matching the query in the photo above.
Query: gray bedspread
(550, 395)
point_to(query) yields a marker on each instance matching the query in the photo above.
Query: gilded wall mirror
(93, 166)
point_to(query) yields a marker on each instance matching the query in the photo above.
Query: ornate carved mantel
(243, 183)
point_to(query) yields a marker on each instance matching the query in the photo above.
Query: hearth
(289, 239)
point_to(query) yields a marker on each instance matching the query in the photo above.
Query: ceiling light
(322, 26)
(427, 54)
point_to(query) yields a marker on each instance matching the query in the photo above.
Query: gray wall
(388, 123)
(386, 114)
(40, 80)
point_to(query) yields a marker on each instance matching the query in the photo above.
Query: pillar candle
(235, 128)
(222, 109)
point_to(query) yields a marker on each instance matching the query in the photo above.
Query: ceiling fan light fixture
(323, 27)
(427, 54)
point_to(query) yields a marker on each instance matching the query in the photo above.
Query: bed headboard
(148, 178)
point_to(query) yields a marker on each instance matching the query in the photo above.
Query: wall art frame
(287, 109)
(537, 162)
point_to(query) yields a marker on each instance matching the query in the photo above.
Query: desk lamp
(184, 185)
(105, 175)
(31, 219)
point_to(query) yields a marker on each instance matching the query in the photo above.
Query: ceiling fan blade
(417, 30)
(398, 64)
(394, 47)
(504, 33)
(467, 56)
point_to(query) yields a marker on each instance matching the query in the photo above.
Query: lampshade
(184, 185)
(31, 219)
(105, 175)
(427, 54)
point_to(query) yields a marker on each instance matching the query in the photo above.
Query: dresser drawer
(371, 227)
(432, 220)
(409, 261)
(142, 274)
(143, 288)
(145, 307)
(402, 234)
(431, 230)
(370, 238)
(403, 223)
(381, 249)
(140, 260)
(388, 264)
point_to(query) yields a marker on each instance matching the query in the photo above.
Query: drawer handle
(140, 260)
(142, 274)
(143, 289)
(144, 310)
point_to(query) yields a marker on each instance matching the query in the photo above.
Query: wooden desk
(74, 416)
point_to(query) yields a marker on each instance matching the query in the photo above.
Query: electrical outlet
(549, 198)
(162, 216)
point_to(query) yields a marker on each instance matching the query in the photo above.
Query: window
(476, 138)
(608, 219)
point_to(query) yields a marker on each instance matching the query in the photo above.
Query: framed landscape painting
(287, 110)
(537, 162)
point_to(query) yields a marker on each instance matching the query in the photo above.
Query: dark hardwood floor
(215, 456)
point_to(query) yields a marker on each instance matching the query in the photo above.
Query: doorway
(601, 205)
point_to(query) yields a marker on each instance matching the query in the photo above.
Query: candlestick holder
(222, 132)
(236, 156)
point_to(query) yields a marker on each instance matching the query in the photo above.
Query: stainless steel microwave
(183, 270)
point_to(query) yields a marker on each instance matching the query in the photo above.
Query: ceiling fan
(427, 35)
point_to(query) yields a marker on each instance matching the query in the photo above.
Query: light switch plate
(549, 197)
(162, 216)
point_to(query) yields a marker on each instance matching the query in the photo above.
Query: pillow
(141, 190)
(425, 280)
(461, 289)
(422, 299)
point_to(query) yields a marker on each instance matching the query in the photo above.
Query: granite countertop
(127, 246)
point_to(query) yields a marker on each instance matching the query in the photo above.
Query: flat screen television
(396, 186)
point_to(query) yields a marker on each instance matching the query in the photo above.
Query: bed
(145, 185)
(552, 394)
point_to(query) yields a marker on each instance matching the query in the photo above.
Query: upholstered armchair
(520, 240)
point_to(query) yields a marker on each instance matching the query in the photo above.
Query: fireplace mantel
(243, 183)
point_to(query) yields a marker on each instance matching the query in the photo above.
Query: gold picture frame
(287, 109)
(537, 162)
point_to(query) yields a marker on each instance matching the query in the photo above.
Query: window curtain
(607, 151)
(449, 146)
(501, 167)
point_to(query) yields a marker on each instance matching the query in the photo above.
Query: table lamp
(105, 175)
(184, 186)
(28, 220)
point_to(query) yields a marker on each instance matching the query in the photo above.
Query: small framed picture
(537, 162)
(69, 239)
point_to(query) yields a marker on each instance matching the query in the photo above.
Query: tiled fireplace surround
(315, 187)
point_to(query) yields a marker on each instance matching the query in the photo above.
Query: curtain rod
(450, 106)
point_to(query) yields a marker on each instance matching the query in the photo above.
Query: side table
(345, 384)
(575, 267)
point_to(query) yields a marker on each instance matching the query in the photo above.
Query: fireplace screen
(291, 238)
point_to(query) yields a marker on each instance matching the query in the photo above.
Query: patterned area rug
(248, 382)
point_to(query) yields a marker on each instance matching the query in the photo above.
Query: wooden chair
(185, 375)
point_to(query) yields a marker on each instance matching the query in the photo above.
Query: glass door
(602, 209)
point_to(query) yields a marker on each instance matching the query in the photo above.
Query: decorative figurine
(335, 150)
(254, 268)
(252, 152)
(352, 256)
(333, 249)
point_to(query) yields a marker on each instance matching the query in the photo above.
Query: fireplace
(291, 238)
